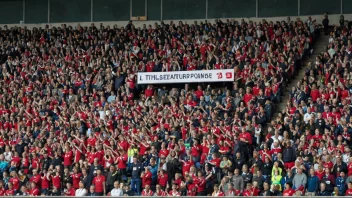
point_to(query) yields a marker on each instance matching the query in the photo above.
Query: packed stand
(316, 124)
(75, 122)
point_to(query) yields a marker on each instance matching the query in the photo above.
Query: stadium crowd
(74, 121)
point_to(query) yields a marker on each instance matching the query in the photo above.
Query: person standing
(312, 183)
(99, 183)
(326, 24)
(136, 167)
(299, 180)
(111, 177)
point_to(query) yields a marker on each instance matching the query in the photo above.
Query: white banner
(222, 75)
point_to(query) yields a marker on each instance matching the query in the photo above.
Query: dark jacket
(289, 154)
(137, 169)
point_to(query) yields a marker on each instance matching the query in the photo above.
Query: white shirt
(81, 192)
(346, 158)
(116, 192)
(8, 156)
(307, 117)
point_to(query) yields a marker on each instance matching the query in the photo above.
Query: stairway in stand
(319, 46)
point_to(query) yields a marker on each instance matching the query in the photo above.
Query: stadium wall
(55, 12)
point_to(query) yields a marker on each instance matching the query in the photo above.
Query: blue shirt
(3, 166)
(341, 184)
(312, 183)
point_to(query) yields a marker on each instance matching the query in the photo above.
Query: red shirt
(218, 194)
(45, 184)
(36, 179)
(2, 192)
(68, 158)
(328, 165)
(320, 174)
(349, 192)
(247, 98)
(186, 166)
(98, 182)
(216, 162)
(246, 136)
(10, 192)
(161, 193)
(148, 193)
(34, 192)
(75, 180)
(16, 183)
(147, 179)
(149, 92)
(288, 192)
(315, 94)
(163, 152)
(349, 167)
(174, 193)
(56, 179)
(162, 179)
(201, 184)
(70, 192)
(122, 161)
(195, 150)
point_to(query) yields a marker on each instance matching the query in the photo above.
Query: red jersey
(148, 193)
(68, 158)
(288, 192)
(10, 192)
(349, 192)
(56, 181)
(45, 183)
(174, 193)
(71, 192)
(16, 182)
(75, 180)
(34, 192)
(99, 181)
(122, 160)
(147, 179)
(163, 179)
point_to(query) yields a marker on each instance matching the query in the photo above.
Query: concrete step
(318, 47)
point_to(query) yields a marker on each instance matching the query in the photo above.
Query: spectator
(312, 183)
(299, 180)
(323, 191)
(81, 191)
(93, 116)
